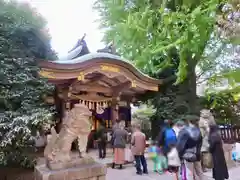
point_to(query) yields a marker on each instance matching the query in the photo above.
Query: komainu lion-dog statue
(76, 125)
(206, 120)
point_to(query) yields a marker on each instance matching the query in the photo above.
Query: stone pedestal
(84, 171)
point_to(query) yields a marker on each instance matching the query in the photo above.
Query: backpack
(170, 137)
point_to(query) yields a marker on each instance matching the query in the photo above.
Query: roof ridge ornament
(110, 48)
(79, 43)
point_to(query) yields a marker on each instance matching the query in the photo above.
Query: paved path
(129, 173)
(234, 173)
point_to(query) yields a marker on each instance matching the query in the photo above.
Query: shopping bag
(128, 155)
(183, 172)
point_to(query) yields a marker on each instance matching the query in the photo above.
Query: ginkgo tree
(156, 34)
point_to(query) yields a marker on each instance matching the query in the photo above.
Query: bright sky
(68, 21)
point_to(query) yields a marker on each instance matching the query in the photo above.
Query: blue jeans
(140, 160)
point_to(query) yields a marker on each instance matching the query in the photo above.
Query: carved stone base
(74, 162)
(85, 171)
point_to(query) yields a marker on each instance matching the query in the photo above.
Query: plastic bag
(128, 155)
(173, 158)
(236, 152)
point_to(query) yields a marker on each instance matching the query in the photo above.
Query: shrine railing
(230, 134)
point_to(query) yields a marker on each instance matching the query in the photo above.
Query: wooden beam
(94, 80)
(119, 88)
(92, 88)
(91, 81)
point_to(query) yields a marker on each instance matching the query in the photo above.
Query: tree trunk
(187, 94)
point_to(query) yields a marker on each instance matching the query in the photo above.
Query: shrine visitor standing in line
(189, 149)
(220, 170)
(138, 149)
(119, 139)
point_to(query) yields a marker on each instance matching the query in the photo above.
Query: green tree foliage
(145, 29)
(22, 42)
(225, 106)
(143, 116)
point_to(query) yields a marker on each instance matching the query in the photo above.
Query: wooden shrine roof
(99, 72)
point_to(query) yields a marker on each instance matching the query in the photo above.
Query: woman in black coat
(220, 171)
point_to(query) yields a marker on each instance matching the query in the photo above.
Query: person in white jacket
(174, 162)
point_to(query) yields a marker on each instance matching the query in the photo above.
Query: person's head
(213, 128)
(122, 125)
(180, 124)
(153, 143)
(192, 120)
(136, 127)
(168, 122)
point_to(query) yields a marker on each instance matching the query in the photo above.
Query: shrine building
(104, 81)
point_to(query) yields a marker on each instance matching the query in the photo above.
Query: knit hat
(180, 122)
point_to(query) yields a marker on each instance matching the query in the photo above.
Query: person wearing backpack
(189, 148)
(167, 137)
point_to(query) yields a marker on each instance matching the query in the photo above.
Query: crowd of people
(184, 147)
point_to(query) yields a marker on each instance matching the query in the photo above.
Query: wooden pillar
(66, 103)
(58, 107)
(130, 111)
(114, 110)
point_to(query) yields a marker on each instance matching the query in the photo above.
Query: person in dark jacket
(189, 149)
(220, 170)
(102, 139)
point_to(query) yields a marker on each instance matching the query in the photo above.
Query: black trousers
(141, 161)
(102, 149)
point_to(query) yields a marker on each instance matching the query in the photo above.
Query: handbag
(190, 155)
(207, 160)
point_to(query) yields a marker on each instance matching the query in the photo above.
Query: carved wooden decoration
(109, 68)
(81, 77)
(46, 74)
(134, 84)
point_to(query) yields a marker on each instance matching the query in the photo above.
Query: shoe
(121, 166)
(145, 172)
(205, 170)
(113, 165)
(160, 172)
(139, 173)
